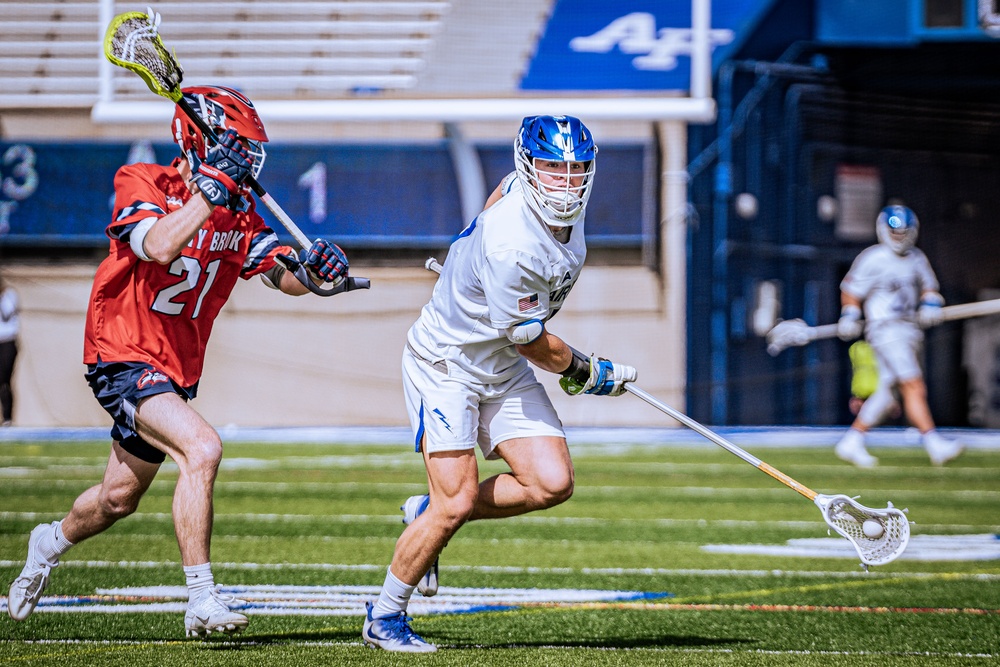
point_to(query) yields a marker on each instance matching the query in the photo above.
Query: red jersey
(162, 314)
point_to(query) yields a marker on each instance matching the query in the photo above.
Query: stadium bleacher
(50, 54)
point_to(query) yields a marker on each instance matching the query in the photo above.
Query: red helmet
(221, 108)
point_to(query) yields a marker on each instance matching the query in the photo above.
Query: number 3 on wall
(19, 163)
(314, 180)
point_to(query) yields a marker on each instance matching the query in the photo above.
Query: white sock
(200, 581)
(53, 543)
(394, 598)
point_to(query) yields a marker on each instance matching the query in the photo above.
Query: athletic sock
(394, 598)
(53, 543)
(200, 581)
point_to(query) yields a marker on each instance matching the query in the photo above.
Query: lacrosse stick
(133, 42)
(793, 333)
(433, 265)
(841, 513)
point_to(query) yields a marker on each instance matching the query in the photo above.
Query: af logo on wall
(637, 33)
(628, 44)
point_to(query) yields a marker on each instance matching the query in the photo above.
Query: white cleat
(940, 449)
(212, 614)
(412, 508)
(234, 603)
(851, 448)
(393, 633)
(26, 590)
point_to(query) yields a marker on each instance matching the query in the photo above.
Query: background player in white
(465, 371)
(894, 283)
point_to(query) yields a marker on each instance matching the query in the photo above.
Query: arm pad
(525, 332)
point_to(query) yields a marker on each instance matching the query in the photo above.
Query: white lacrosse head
(786, 334)
(846, 516)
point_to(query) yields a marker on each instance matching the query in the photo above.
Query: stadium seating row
(51, 56)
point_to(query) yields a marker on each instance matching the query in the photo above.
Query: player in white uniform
(894, 283)
(466, 376)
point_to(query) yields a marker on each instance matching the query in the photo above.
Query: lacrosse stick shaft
(433, 265)
(960, 311)
(722, 442)
(258, 189)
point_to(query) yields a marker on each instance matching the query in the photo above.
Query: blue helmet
(897, 227)
(560, 197)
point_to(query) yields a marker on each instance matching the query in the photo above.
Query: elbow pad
(525, 332)
(137, 238)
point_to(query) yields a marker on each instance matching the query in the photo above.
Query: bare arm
(289, 284)
(168, 235)
(549, 352)
(848, 300)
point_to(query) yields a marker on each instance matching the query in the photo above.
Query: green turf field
(305, 532)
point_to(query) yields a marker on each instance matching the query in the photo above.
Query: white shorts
(456, 414)
(897, 349)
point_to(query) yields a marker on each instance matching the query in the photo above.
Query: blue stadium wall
(368, 195)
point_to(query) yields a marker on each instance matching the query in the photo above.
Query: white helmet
(897, 228)
(555, 139)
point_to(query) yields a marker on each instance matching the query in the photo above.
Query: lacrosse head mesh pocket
(132, 42)
(847, 517)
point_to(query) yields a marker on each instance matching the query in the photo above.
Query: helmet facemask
(555, 158)
(557, 191)
(221, 109)
(897, 227)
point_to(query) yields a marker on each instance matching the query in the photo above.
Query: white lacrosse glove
(606, 379)
(930, 314)
(849, 326)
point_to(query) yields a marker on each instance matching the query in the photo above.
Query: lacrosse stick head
(132, 42)
(847, 517)
(786, 334)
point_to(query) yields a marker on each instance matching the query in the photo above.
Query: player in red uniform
(180, 237)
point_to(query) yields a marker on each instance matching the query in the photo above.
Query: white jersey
(890, 285)
(504, 269)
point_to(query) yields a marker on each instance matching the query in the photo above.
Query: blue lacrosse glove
(606, 379)
(325, 260)
(226, 165)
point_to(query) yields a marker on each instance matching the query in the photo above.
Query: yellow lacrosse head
(132, 42)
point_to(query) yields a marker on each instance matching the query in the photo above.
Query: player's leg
(851, 447)
(8, 355)
(444, 415)
(902, 358)
(131, 468)
(521, 426)
(918, 412)
(126, 478)
(168, 423)
(541, 476)
(453, 477)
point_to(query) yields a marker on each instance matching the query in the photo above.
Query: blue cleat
(393, 633)
(412, 508)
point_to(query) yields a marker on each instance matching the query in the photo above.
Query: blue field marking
(291, 600)
(748, 436)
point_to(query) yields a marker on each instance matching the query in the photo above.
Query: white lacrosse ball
(872, 529)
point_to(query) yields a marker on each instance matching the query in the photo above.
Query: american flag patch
(527, 302)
